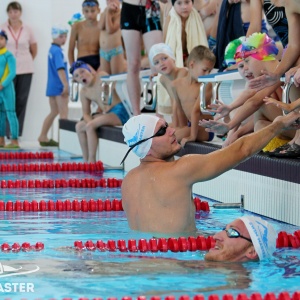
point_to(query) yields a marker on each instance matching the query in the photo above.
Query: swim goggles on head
(78, 64)
(162, 131)
(89, 3)
(245, 54)
(233, 233)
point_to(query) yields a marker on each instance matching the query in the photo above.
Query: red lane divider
(181, 244)
(243, 296)
(201, 205)
(285, 239)
(53, 167)
(74, 205)
(62, 183)
(26, 155)
(16, 247)
(66, 205)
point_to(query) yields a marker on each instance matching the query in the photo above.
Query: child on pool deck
(112, 59)
(186, 93)
(7, 94)
(57, 84)
(114, 114)
(162, 58)
(258, 52)
(85, 36)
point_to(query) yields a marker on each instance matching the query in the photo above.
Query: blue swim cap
(3, 33)
(77, 65)
(57, 30)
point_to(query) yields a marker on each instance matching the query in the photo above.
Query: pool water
(59, 271)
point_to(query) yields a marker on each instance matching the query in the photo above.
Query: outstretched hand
(266, 79)
(290, 121)
(214, 126)
(219, 108)
(284, 106)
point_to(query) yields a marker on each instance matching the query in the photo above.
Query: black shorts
(92, 60)
(133, 17)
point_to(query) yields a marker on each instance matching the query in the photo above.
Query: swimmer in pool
(157, 194)
(248, 238)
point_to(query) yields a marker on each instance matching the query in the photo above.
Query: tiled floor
(30, 144)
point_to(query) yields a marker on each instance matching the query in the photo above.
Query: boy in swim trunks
(109, 115)
(85, 36)
(186, 94)
(111, 53)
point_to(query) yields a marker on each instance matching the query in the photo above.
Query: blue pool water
(63, 272)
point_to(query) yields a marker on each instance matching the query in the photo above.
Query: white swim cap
(262, 234)
(138, 128)
(160, 48)
(57, 30)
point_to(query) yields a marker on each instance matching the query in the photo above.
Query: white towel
(195, 34)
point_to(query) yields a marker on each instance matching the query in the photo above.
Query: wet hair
(173, 2)
(201, 52)
(14, 5)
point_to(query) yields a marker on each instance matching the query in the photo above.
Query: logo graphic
(7, 271)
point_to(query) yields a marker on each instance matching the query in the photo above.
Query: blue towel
(229, 29)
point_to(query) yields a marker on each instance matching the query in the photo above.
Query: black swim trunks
(92, 60)
(134, 17)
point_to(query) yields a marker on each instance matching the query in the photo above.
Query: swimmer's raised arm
(195, 168)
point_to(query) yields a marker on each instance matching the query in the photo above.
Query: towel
(195, 33)
(229, 29)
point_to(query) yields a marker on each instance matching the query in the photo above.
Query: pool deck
(267, 186)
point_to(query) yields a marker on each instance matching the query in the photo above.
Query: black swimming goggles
(162, 131)
(233, 233)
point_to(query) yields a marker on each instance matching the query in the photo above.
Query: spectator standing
(22, 43)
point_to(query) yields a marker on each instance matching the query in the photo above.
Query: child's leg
(132, 42)
(49, 120)
(117, 64)
(14, 126)
(105, 65)
(182, 132)
(202, 135)
(10, 110)
(109, 119)
(62, 106)
(82, 137)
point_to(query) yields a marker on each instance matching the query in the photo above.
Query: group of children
(100, 52)
(181, 83)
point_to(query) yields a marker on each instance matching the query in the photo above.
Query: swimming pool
(59, 271)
